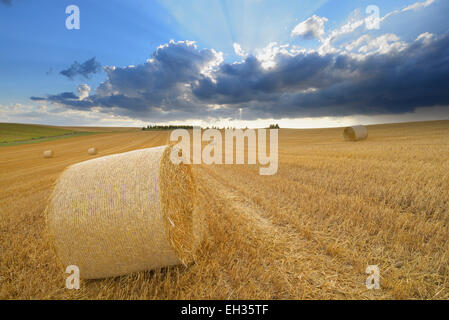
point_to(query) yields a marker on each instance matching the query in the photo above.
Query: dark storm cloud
(38, 98)
(391, 83)
(177, 83)
(156, 88)
(84, 69)
(161, 79)
(70, 99)
(241, 83)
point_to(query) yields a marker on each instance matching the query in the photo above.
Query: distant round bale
(355, 133)
(92, 151)
(48, 154)
(124, 213)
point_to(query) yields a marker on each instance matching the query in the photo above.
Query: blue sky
(248, 65)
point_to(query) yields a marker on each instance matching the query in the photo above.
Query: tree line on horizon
(186, 127)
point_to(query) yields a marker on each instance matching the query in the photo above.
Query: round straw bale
(355, 133)
(124, 213)
(48, 154)
(92, 151)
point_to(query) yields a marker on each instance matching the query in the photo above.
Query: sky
(244, 63)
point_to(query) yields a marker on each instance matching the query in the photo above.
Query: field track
(308, 232)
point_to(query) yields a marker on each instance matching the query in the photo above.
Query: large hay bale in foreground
(124, 213)
(48, 154)
(92, 151)
(355, 133)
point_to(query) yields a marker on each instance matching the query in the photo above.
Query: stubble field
(308, 232)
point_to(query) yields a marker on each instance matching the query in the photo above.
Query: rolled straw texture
(124, 213)
(355, 133)
(48, 154)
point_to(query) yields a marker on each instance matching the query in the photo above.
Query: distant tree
(170, 127)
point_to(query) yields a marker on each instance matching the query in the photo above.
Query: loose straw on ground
(355, 133)
(124, 213)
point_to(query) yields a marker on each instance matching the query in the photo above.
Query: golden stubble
(308, 232)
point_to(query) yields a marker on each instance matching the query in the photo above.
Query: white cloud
(356, 21)
(239, 51)
(357, 43)
(213, 64)
(413, 7)
(267, 56)
(425, 37)
(381, 45)
(310, 28)
(83, 91)
(56, 115)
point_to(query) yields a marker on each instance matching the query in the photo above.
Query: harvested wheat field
(308, 232)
